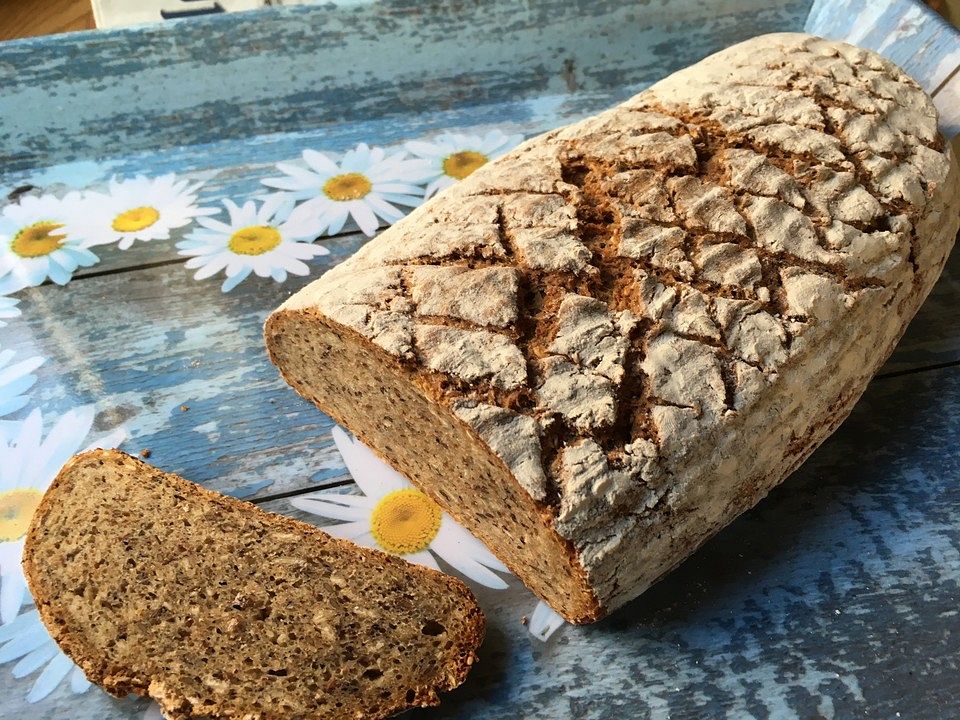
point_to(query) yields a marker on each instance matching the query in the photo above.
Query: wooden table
(26, 18)
(836, 597)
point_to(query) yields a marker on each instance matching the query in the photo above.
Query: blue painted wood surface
(290, 69)
(836, 597)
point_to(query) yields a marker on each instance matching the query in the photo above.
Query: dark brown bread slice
(217, 609)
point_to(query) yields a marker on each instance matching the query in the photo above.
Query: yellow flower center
(405, 521)
(349, 186)
(16, 509)
(135, 219)
(254, 240)
(37, 240)
(462, 163)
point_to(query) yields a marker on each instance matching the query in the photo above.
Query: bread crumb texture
(651, 316)
(217, 609)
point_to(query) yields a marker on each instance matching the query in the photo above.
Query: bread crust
(120, 681)
(671, 303)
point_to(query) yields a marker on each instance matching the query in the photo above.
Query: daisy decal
(15, 380)
(254, 240)
(544, 622)
(141, 208)
(28, 464)
(27, 641)
(396, 518)
(37, 240)
(453, 156)
(366, 184)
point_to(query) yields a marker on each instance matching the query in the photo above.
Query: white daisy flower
(254, 240)
(140, 208)
(544, 622)
(366, 184)
(28, 464)
(15, 380)
(37, 242)
(453, 156)
(396, 518)
(27, 640)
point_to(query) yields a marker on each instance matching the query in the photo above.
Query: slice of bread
(217, 609)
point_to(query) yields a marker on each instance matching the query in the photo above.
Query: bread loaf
(215, 608)
(600, 349)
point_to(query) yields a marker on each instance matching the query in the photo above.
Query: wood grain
(27, 18)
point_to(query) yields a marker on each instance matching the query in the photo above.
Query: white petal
(303, 177)
(338, 218)
(422, 558)
(374, 476)
(275, 209)
(397, 188)
(384, 209)
(328, 509)
(20, 625)
(34, 660)
(78, 681)
(423, 149)
(364, 217)
(544, 622)
(24, 367)
(13, 589)
(212, 268)
(454, 535)
(49, 679)
(215, 225)
(283, 183)
(233, 280)
(320, 162)
(310, 217)
(437, 185)
(25, 642)
(468, 566)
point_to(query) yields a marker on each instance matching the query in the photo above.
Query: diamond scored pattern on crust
(695, 237)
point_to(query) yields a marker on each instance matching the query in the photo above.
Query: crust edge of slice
(566, 576)
(121, 684)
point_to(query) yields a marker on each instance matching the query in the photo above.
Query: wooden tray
(836, 597)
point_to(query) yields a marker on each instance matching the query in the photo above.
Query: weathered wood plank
(291, 69)
(833, 598)
(233, 167)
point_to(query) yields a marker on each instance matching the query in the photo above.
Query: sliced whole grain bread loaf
(598, 350)
(214, 608)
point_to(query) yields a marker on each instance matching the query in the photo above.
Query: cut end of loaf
(368, 392)
(212, 607)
